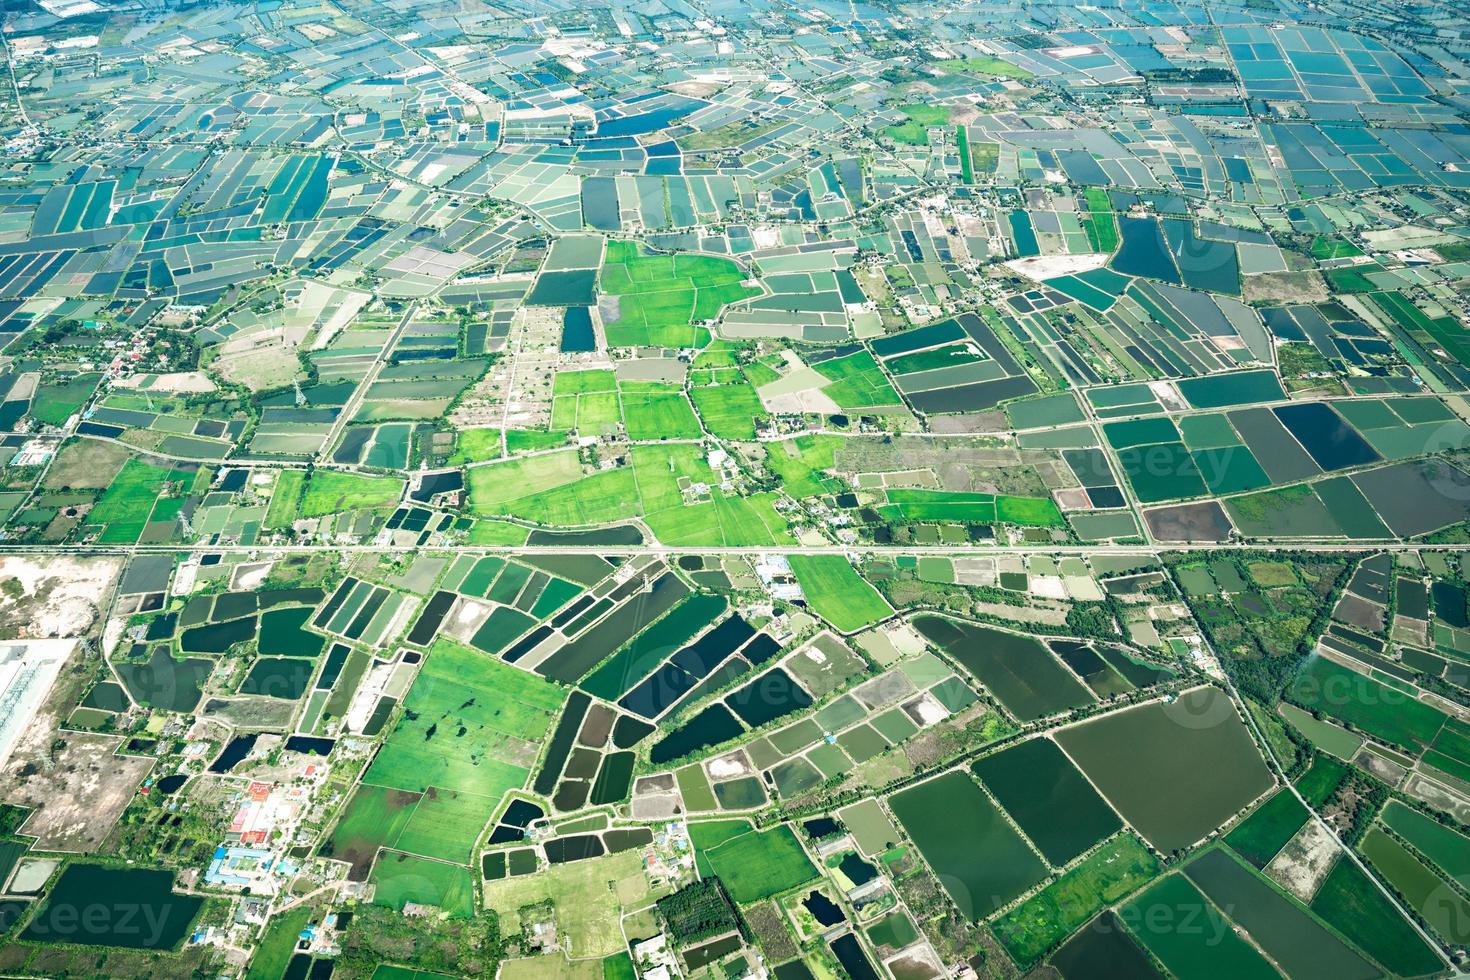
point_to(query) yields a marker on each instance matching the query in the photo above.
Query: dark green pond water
(135, 908)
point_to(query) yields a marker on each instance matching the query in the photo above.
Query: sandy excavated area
(194, 382)
(75, 784)
(1041, 267)
(53, 596)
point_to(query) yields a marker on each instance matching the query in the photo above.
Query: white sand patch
(250, 577)
(1048, 587)
(1039, 267)
(728, 766)
(906, 640)
(192, 382)
(469, 612)
(809, 402)
(929, 710)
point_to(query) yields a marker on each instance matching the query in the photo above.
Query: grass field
(1321, 780)
(1118, 868)
(585, 401)
(127, 502)
(985, 65)
(471, 725)
(857, 382)
(551, 490)
(476, 446)
(984, 157)
(1099, 223)
(1445, 330)
(799, 463)
(658, 411)
(915, 131)
(388, 972)
(1260, 836)
(663, 298)
(331, 492)
(278, 943)
(403, 878)
(373, 818)
(495, 489)
(837, 593)
(589, 897)
(55, 403)
(754, 865)
(550, 966)
(285, 499)
(728, 406)
(619, 966)
(446, 825)
(86, 464)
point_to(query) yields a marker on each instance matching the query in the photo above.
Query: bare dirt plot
(76, 784)
(1357, 611)
(1204, 521)
(1426, 790)
(260, 369)
(1305, 860)
(85, 464)
(54, 596)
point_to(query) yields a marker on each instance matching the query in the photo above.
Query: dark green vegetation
(1187, 933)
(1348, 901)
(1265, 832)
(698, 911)
(1381, 710)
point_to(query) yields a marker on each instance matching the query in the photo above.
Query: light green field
(728, 407)
(331, 492)
(476, 446)
(471, 724)
(658, 411)
(837, 593)
(1120, 867)
(915, 130)
(589, 897)
(550, 966)
(985, 65)
(663, 298)
(754, 865)
(551, 490)
(373, 818)
(278, 943)
(857, 382)
(593, 413)
(799, 463)
(403, 878)
(55, 403)
(493, 488)
(446, 825)
(126, 504)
